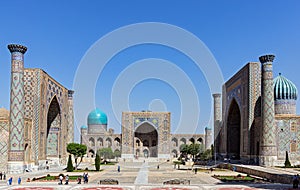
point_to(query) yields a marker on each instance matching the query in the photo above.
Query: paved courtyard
(138, 175)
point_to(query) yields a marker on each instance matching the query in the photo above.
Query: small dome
(97, 117)
(84, 127)
(284, 89)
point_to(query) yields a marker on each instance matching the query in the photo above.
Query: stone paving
(139, 176)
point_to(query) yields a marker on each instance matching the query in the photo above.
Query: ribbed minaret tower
(217, 120)
(16, 120)
(70, 131)
(268, 151)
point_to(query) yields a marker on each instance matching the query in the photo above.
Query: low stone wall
(270, 176)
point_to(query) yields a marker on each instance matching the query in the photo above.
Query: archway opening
(149, 137)
(234, 131)
(53, 129)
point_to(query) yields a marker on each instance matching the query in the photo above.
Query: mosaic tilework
(54, 89)
(268, 129)
(131, 120)
(288, 130)
(4, 127)
(16, 106)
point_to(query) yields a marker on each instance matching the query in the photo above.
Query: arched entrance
(53, 129)
(147, 134)
(233, 131)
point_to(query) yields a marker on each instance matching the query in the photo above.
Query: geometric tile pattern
(16, 144)
(160, 121)
(32, 91)
(268, 140)
(4, 127)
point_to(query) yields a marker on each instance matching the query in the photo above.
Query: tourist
(67, 179)
(83, 177)
(296, 181)
(119, 168)
(79, 180)
(61, 179)
(1, 175)
(86, 178)
(19, 180)
(10, 181)
(4, 176)
(196, 169)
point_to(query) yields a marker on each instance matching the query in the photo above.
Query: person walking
(67, 179)
(19, 180)
(10, 181)
(86, 178)
(79, 180)
(83, 176)
(61, 179)
(1, 175)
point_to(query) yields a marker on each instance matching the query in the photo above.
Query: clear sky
(59, 34)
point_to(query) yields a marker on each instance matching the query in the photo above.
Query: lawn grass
(234, 178)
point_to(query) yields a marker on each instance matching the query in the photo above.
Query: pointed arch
(233, 129)
(53, 129)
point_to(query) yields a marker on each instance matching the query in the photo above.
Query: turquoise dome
(284, 89)
(97, 117)
(84, 127)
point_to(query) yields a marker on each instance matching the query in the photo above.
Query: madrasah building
(255, 116)
(144, 134)
(39, 125)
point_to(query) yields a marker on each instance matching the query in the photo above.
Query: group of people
(10, 180)
(61, 178)
(85, 177)
(2, 176)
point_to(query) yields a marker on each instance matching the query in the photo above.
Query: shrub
(70, 167)
(97, 162)
(287, 162)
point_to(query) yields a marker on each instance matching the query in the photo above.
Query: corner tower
(16, 119)
(217, 120)
(268, 151)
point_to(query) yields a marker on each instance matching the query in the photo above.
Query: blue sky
(59, 33)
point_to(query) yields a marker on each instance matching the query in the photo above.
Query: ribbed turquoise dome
(84, 127)
(284, 89)
(97, 117)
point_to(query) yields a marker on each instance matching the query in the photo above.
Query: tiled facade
(144, 134)
(41, 121)
(250, 128)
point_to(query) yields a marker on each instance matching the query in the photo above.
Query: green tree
(70, 166)
(184, 149)
(117, 154)
(97, 161)
(78, 151)
(106, 153)
(194, 149)
(287, 162)
(212, 151)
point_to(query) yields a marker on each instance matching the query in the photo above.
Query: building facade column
(268, 151)
(217, 121)
(16, 120)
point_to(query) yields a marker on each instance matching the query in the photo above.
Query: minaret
(268, 151)
(217, 120)
(16, 120)
(70, 117)
(208, 138)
